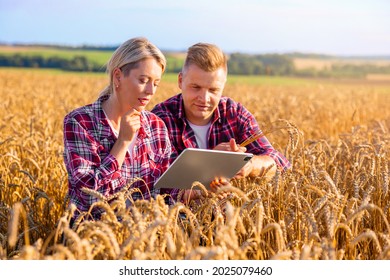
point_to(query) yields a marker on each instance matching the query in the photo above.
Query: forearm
(119, 151)
(263, 165)
(103, 176)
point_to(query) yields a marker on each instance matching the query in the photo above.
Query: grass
(50, 71)
(99, 57)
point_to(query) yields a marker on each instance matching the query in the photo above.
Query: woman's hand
(130, 124)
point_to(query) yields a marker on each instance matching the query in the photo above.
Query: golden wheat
(332, 204)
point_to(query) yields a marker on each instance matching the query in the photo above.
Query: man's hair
(207, 57)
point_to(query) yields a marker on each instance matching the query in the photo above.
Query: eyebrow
(147, 76)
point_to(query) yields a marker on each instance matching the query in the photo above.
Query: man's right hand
(230, 146)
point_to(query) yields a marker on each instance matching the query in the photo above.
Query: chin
(139, 108)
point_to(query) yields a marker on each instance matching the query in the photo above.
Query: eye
(143, 80)
(214, 90)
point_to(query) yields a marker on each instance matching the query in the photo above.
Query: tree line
(238, 64)
(77, 63)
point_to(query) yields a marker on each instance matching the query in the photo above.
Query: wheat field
(333, 203)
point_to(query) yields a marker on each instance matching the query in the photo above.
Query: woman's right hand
(130, 124)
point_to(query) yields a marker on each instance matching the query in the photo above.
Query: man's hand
(191, 194)
(245, 171)
(217, 183)
(258, 166)
(230, 146)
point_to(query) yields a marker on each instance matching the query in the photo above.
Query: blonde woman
(112, 141)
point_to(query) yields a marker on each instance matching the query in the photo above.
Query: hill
(93, 58)
(84, 58)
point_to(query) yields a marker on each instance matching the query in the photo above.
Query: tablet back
(203, 166)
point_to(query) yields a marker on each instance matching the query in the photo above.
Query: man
(201, 117)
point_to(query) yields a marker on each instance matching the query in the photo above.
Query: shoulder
(231, 106)
(154, 121)
(80, 113)
(84, 116)
(169, 106)
(155, 127)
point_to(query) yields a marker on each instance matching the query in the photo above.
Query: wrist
(253, 172)
(123, 143)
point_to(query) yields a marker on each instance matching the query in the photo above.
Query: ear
(116, 75)
(180, 79)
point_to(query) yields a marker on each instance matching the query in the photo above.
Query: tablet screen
(201, 165)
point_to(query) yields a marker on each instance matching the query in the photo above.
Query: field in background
(333, 203)
(98, 56)
(323, 63)
(293, 64)
(95, 56)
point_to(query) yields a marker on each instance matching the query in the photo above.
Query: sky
(333, 27)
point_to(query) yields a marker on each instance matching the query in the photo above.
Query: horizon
(332, 28)
(167, 51)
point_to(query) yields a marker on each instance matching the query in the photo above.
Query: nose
(150, 88)
(205, 96)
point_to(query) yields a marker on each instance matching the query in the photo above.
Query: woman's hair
(127, 56)
(207, 57)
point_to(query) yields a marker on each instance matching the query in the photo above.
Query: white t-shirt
(131, 145)
(201, 134)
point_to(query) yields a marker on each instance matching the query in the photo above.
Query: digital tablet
(201, 165)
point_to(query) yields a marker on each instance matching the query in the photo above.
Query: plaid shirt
(88, 140)
(230, 120)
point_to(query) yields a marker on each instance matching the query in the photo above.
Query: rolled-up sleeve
(262, 146)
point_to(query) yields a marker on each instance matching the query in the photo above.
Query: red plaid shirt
(88, 140)
(230, 120)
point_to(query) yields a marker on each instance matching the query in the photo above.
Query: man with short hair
(201, 117)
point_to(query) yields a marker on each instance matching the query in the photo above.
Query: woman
(114, 140)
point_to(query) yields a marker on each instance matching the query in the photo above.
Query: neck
(111, 108)
(204, 123)
(199, 122)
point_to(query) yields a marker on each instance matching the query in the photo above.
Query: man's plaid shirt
(230, 120)
(88, 140)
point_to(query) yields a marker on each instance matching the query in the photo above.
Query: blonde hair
(207, 57)
(128, 55)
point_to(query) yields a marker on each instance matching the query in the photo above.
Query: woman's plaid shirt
(88, 140)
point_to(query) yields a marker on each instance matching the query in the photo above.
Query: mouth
(143, 101)
(202, 107)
